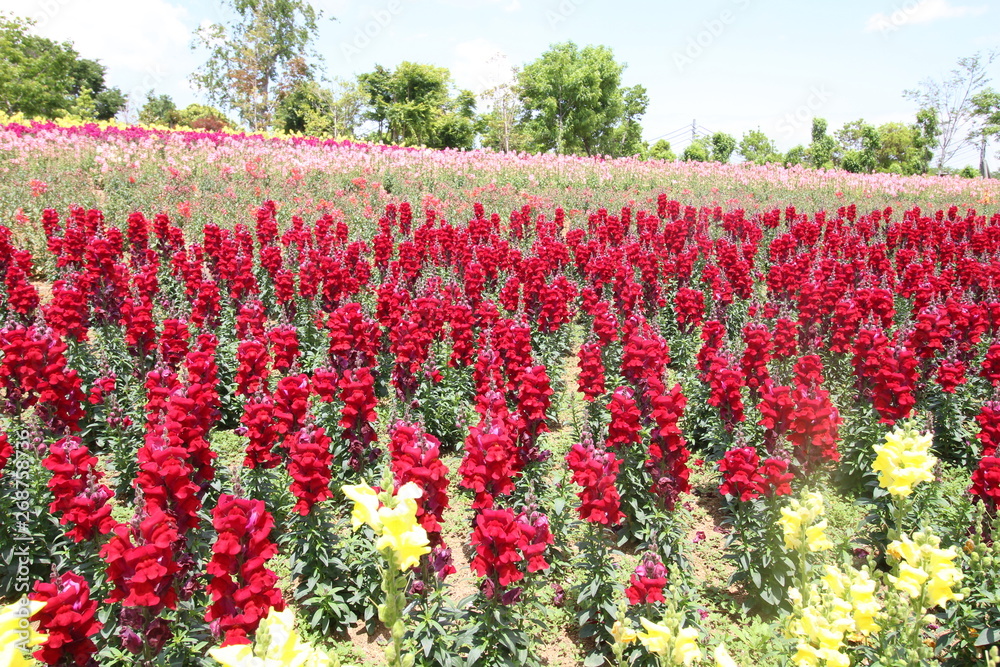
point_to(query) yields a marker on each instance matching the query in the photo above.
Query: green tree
(796, 155)
(860, 143)
(413, 105)
(661, 151)
(756, 147)
(45, 79)
(723, 146)
(266, 45)
(951, 98)
(159, 110)
(697, 151)
(898, 147)
(820, 151)
(501, 126)
(202, 117)
(986, 111)
(927, 132)
(574, 103)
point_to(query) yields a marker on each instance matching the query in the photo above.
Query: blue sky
(731, 65)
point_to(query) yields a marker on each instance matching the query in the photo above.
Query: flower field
(287, 402)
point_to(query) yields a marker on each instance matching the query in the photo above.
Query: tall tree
(820, 151)
(756, 147)
(574, 102)
(952, 100)
(266, 44)
(46, 79)
(414, 105)
(986, 112)
(723, 146)
(500, 125)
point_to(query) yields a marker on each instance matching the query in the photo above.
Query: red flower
(309, 466)
(647, 581)
(950, 374)
(357, 391)
(258, 427)
(624, 427)
(740, 475)
(502, 542)
(596, 471)
(668, 453)
(68, 620)
(777, 479)
(591, 380)
(78, 497)
(986, 482)
(141, 565)
(243, 590)
(989, 427)
(284, 346)
(416, 458)
(252, 359)
(490, 462)
(34, 373)
(6, 452)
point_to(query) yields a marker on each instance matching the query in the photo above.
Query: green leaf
(988, 636)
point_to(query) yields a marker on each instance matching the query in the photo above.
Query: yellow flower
(397, 525)
(276, 644)
(686, 648)
(407, 539)
(622, 633)
(922, 563)
(657, 637)
(904, 461)
(722, 657)
(816, 538)
(365, 505)
(797, 523)
(17, 636)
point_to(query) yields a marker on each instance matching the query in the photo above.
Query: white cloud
(143, 43)
(480, 65)
(913, 12)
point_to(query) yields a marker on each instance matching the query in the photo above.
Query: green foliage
(756, 147)
(756, 546)
(722, 145)
(859, 144)
(413, 106)
(574, 103)
(45, 79)
(265, 43)
(661, 151)
(974, 625)
(696, 151)
(311, 109)
(820, 151)
(796, 155)
(159, 110)
(953, 103)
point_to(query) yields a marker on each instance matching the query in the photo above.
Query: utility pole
(694, 130)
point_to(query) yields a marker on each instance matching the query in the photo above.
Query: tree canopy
(574, 103)
(41, 78)
(414, 105)
(266, 44)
